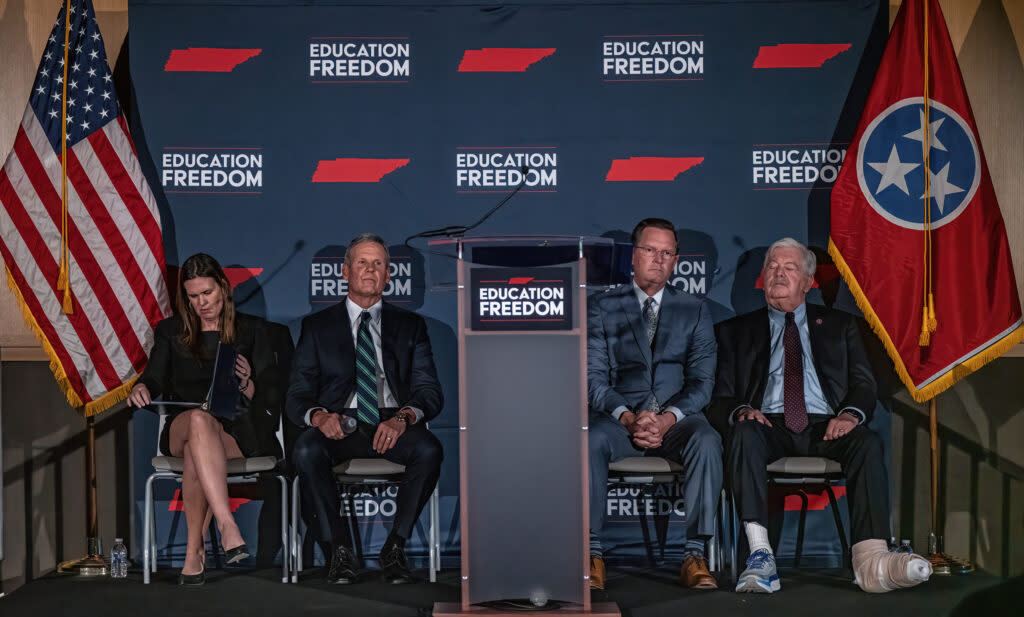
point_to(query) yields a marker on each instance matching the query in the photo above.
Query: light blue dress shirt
(641, 297)
(773, 394)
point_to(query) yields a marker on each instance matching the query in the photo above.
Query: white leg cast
(876, 570)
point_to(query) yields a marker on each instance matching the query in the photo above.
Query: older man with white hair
(793, 379)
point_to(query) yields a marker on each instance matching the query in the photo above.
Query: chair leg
(353, 525)
(147, 530)
(435, 548)
(285, 542)
(734, 522)
(152, 536)
(713, 556)
(839, 525)
(800, 529)
(296, 536)
(641, 510)
(724, 534)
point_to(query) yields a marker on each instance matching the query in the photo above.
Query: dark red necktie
(793, 402)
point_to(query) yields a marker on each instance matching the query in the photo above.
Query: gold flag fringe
(948, 378)
(91, 408)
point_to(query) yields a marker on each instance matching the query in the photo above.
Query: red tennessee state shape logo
(502, 59)
(208, 59)
(356, 170)
(650, 168)
(797, 55)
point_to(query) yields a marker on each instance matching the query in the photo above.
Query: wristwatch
(403, 416)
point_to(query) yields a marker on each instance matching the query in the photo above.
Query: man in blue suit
(651, 357)
(371, 361)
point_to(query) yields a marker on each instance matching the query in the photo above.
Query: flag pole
(942, 563)
(93, 563)
(63, 278)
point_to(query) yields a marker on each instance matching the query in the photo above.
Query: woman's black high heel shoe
(193, 580)
(237, 554)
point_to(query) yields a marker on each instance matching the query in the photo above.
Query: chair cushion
(369, 467)
(644, 465)
(805, 465)
(234, 466)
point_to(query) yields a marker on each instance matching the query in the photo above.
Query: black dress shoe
(343, 567)
(394, 565)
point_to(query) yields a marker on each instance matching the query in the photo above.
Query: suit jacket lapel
(388, 341)
(346, 347)
(817, 322)
(760, 341)
(631, 308)
(666, 315)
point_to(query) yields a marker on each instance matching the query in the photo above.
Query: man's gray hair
(810, 261)
(367, 237)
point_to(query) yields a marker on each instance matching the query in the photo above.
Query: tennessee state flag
(895, 249)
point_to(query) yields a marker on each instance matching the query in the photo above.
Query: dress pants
(752, 446)
(691, 442)
(315, 455)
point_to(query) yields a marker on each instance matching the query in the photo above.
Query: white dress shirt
(385, 398)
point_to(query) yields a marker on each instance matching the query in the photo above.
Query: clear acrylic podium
(522, 420)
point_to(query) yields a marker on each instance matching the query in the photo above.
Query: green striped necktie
(366, 374)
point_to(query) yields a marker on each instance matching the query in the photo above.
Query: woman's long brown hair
(197, 266)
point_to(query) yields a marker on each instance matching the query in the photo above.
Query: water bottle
(119, 559)
(905, 547)
(348, 424)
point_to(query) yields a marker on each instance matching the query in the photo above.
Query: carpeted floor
(639, 593)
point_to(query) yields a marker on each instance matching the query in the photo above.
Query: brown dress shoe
(695, 574)
(596, 573)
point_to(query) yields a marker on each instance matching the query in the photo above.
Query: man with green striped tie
(369, 360)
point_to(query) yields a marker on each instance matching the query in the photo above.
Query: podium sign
(522, 425)
(521, 299)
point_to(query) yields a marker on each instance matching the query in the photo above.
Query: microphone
(348, 424)
(457, 231)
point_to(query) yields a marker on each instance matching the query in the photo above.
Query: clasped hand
(647, 428)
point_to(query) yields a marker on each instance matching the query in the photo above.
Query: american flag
(115, 250)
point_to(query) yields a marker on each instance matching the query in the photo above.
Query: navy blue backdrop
(272, 132)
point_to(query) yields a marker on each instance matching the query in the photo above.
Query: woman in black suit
(180, 367)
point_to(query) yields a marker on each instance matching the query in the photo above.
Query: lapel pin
(818, 321)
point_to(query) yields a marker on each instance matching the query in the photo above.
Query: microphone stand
(458, 231)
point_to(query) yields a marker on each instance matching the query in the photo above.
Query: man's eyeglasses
(650, 253)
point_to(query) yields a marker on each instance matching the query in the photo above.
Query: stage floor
(639, 593)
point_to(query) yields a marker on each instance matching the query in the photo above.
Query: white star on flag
(933, 138)
(894, 172)
(940, 187)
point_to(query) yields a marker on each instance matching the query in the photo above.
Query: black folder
(223, 395)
